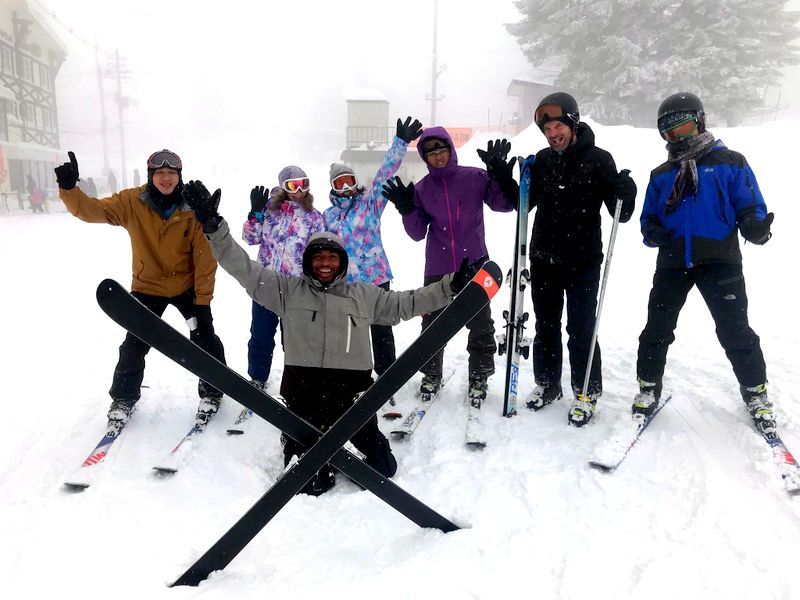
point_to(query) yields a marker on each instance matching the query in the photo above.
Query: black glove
(402, 196)
(258, 199)
(203, 204)
(497, 149)
(466, 271)
(656, 234)
(67, 173)
(625, 190)
(409, 131)
(755, 231)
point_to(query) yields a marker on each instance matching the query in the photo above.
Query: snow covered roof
(364, 95)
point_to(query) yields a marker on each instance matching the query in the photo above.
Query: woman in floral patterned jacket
(281, 223)
(355, 217)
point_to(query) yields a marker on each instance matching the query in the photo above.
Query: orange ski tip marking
(487, 282)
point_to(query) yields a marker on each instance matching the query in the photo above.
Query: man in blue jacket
(694, 204)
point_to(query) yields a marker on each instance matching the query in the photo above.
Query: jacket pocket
(356, 324)
(721, 201)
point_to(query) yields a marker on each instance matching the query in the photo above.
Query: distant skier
(280, 223)
(172, 264)
(694, 204)
(446, 209)
(325, 319)
(570, 182)
(355, 216)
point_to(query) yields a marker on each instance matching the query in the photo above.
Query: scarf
(685, 153)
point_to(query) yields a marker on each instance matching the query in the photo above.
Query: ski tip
(106, 286)
(235, 431)
(165, 470)
(603, 468)
(75, 486)
(476, 446)
(392, 415)
(399, 435)
(489, 277)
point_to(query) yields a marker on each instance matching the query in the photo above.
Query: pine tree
(620, 58)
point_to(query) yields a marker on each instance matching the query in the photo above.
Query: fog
(209, 79)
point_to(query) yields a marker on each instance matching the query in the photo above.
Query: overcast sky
(219, 73)
(275, 75)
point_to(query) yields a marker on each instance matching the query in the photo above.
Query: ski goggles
(552, 112)
(678, 126)
(344, 183)
(437, 149)
(293, 186)
(164, 158)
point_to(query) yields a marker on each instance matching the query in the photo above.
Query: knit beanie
(291, 172)
(339, 169)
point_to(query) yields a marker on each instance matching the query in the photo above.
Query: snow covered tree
(622, 57)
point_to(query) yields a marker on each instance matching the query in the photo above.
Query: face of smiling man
(325, 265)
(558, 135)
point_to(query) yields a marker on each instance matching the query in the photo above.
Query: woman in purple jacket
(446, 209)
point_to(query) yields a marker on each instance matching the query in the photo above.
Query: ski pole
(617, 211)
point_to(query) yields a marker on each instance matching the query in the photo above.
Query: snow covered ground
(697, 510)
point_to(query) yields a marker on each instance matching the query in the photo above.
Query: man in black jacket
(570, 182)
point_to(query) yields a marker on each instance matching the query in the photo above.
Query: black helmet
(569, 114)
(682, 102)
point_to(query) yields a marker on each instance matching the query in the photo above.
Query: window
(6, 59)
(44, 77)
(26, 68)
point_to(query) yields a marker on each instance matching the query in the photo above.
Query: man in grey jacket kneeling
(326, 333)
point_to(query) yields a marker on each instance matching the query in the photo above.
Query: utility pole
(435, 70)
(122, 104)
(102, 105)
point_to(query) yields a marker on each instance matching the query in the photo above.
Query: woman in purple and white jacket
(281, 223)
(355, 217)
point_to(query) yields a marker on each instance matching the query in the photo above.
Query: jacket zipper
(349, 332)
(450, 218)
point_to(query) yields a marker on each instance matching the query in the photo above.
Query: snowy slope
(697, 511)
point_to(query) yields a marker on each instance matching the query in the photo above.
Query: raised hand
(67, 173)
(258, 199)
(497, 149)
(466, 271)
(409, 131)
(203, 204)
(402, 196)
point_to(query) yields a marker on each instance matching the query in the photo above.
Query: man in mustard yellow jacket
(172, 264)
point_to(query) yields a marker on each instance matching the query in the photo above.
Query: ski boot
(646, 401)
(258, 384)
(760, 409)
(118, 414)
(476, 390)
(429, 386)
(544, 394)
(582, 408)
(207, 408)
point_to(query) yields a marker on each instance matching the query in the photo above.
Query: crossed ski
(327, 448)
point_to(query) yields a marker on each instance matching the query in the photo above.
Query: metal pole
(435, 65)
(617, 211)
(102, 106)
(121, 108)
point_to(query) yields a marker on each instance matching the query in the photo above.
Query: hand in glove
(258, 199)
(657, 235)
(402, 196)
(625, 190)
(755, 231)
(497, 149)
(466, 271)
(203, 204)
(409, 131)
(67, 173)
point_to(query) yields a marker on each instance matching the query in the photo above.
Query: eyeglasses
(680, 131)
(296, 185)
(164, 158)
(344, 183)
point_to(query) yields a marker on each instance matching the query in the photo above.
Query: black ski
(132, 315)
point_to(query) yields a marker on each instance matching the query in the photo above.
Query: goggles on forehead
(552, 112)
(436, 149)
(344, 183)
(164, 158)
(301, 184)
